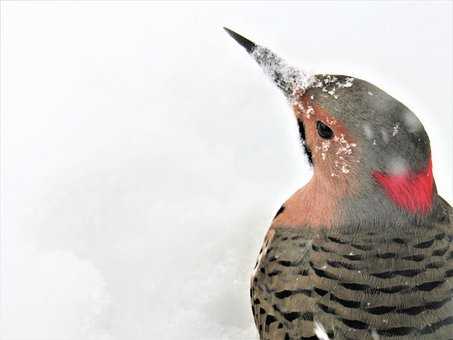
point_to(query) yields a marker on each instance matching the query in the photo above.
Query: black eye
(323, 130)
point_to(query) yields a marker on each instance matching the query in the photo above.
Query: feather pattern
(396, 284)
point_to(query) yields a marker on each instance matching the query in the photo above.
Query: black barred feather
(394, 285)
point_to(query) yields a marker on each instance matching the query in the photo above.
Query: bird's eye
(323, 130)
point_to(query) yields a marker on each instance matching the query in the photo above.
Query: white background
(144, 153)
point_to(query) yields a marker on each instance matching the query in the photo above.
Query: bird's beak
(290, 80)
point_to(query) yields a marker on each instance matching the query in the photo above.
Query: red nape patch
(411, 191)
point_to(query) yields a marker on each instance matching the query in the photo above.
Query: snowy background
(144, 153)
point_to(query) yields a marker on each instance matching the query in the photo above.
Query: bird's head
(363, 143)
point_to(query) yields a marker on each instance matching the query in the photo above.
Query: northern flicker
(364, 250)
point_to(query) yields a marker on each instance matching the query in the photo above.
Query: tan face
(336, 161)
(335, 152)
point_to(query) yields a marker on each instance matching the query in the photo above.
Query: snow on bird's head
(291, 80)
(373, 139)
(350, 129)
(380, 126)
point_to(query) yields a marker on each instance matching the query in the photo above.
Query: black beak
(244, 42)
(290, 80)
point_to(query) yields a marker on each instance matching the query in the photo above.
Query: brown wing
(394, 283)
(281, 292)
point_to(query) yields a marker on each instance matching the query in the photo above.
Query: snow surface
(144, 154)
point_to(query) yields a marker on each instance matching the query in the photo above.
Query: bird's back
(360, 283)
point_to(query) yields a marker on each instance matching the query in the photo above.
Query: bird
(365, 249)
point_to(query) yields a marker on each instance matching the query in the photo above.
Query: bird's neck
(324, 203)
(315, 205)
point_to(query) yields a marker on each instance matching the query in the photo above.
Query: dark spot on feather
(308, 316)
(427, 286)
(283, 294)
(424, 245)
(326, 309)
(273, 273)
(362, 246)
(355, 286)
(441, 252)
(386, 256)
(380, 310)
(398, 331)
(291, 316)
(282, 208)
(416, 258)
(320, 291)
(336, 240)
(314, 337)
(356, 324)
(435, 326)
(391, 274)
(345, 303)
(270, 319)
(353, 257)
(440, 236)
(435, 265)
(339, 264)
